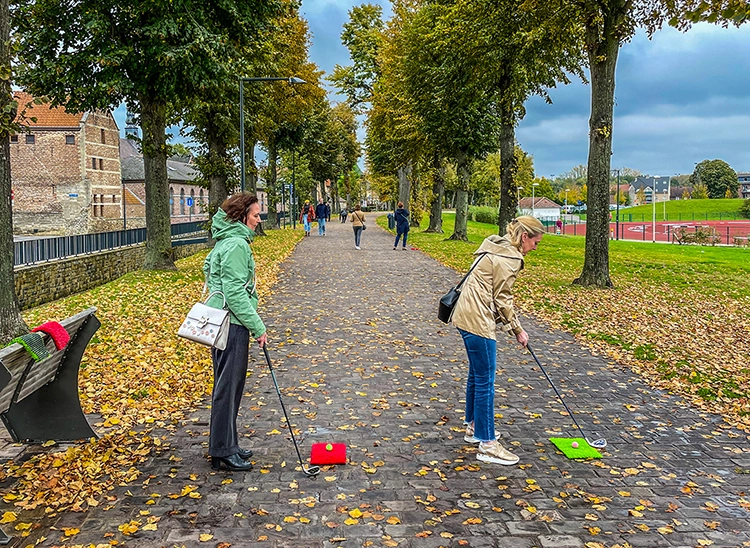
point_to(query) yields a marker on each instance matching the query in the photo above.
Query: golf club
(601, 443)
(311, 470)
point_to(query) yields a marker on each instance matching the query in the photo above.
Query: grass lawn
(686, 210)
(678, 315)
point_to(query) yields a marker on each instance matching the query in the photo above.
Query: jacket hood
(222, 228)
(499, 245)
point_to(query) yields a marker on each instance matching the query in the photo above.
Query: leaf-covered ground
(136, 374)
(678, 315)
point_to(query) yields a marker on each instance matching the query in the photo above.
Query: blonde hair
(525, 224)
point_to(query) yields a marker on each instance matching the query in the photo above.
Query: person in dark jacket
(229, 271)
(322, 213)
(402, 224)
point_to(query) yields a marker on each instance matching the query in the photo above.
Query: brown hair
(238, 205)
(401, 205)
(357, 207)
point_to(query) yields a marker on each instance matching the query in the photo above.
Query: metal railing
(39, 250)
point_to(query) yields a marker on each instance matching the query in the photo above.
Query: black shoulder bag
(448, 301)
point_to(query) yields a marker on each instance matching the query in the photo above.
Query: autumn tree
(363, 37)
(11, 323)
(154, 56)
(718, 178)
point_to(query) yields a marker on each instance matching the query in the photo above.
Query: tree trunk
(158, 235)
(218, 161)
(11, 323)
(602, 54)
(462, 198)
(335, 206)
(273, 197)
(438, 191)
(508, 169)
(404, 183)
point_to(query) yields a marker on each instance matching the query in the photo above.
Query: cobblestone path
(362, 359)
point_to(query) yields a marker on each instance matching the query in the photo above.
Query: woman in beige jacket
(487, 301)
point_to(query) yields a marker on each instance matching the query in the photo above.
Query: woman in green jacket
(230, 275)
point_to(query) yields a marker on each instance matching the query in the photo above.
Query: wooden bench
(741, 241)
(39, 399)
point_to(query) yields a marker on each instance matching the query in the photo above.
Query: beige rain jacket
(486, 298)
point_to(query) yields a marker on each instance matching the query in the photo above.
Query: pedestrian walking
(307, 216)
(559, 225)
(402, 224)
(487, 301)
(343, 215)
(322, 212)
(358, 224)
(230, 275)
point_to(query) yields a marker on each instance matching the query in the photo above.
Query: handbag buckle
(202, 322)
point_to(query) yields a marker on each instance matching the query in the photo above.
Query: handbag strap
(224, 305)
(476, 262)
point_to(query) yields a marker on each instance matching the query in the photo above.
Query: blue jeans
(306, 222)
(357, 235)
(321, 227)
(480, 385)
(398, 236)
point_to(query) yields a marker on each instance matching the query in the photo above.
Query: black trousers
(230, 370)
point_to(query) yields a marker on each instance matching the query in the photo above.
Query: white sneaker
(495, 453)
(469, 436)
(356, 247)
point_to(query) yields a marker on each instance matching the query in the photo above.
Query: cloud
(679, 98)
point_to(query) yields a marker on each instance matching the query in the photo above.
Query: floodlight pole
(290, 80)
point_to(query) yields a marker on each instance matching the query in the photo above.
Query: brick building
(65, 170)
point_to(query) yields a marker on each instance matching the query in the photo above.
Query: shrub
(484, 214)
(745, 208)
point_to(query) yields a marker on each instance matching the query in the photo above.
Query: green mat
(583, 451)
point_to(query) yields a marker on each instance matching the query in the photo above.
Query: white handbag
(207, 325)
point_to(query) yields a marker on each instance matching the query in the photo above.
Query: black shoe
(245, 453)
(232, 462)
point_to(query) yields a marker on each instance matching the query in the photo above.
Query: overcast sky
(681, 98)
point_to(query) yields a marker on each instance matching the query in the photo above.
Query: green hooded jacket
(230, 269)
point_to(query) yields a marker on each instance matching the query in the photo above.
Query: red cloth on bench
(58, 333)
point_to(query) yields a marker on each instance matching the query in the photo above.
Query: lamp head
(295, 80)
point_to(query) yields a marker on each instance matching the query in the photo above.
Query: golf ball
(575, 445)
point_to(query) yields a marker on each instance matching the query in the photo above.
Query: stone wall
(43, 283)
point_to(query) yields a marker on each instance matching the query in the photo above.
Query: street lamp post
(518, 199)
(290, 80)
(653, 208)
(533, 201)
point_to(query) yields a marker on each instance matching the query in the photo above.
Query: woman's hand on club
(262, 340)
(523, 338)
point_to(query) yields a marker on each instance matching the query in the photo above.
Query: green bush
(483, 214)
(745, 208)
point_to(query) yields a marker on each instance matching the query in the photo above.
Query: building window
(101, 163)
(201, 199)
(70, 139)
(30, 139)
(182, 201)
(93, 163)
(171, 201)
(101, 207)
(96, 208)
(192, 201)
(14, 138)
(103, 139)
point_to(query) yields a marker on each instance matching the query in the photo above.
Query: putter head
(311, 471)
(601, 443)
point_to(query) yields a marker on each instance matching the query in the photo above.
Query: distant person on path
(558, 224)
(230, 273)
(402, 224)
(343, 215)
(307, 216)
(487, 301)
(358, 223)
(322, 211)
